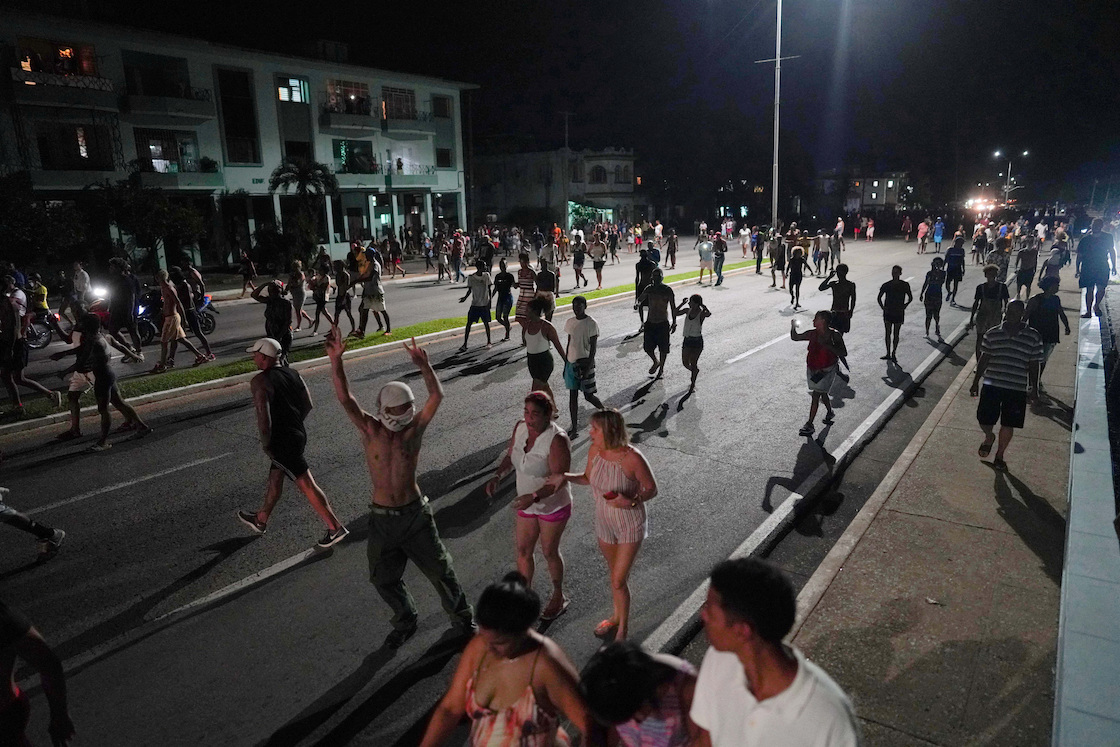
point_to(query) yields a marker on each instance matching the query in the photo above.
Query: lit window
(873, 196)
(293, 90)
(875, 183)
(890, 184)
(638, 180)
(83, 151)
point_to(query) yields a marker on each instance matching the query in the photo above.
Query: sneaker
(49, 547)
(250, 520)
(200, 359)
(398, 636)
(806, 430)
(829, 419)
(330, 539)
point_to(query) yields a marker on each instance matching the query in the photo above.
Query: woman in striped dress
(526, 289)
(621, 481)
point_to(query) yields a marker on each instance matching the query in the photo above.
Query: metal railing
(88, 82)
(189, 93)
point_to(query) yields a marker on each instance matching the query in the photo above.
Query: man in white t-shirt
(754, 689)
(1040, 231)
(579, 354)
(479, 286)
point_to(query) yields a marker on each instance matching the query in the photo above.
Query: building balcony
(415, 175)
(335, 120)
(182, 174)
(412, 125)
(189, 106)
(65, 91)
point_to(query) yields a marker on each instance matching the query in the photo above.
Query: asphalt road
(296, 659)
(416, 298)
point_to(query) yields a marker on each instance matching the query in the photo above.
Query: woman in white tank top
(539, 449)
(539, 335)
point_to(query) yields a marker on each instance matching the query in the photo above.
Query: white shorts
(826, 377)
(80, 382)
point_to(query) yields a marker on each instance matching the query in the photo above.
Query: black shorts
(13, 358)
(504, 304)
(696, 343)
(656, 337)
(478, 314)
(287, 454)
(598, 263)
(894, 318)
(842, 321)
(1025, 277)
(779, 264)
(342, 303)
(540, 365)
(1093, 278)
(955, 273)
(1006, 406)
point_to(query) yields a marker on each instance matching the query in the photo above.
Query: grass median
(177, 378)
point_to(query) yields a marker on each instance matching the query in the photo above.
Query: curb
(683, 623)
(32, 424)
(811, 594)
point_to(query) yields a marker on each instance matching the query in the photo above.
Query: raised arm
(259, 290)
(336, 346)
(431, 381)
(794, 334)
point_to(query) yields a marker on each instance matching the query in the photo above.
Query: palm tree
(311, 181)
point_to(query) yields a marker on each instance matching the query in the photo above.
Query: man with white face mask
(401, 525)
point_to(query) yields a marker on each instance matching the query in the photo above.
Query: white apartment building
(82, 102)
(877, 192)
(561, 186)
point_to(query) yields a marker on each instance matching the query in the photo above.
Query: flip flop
(561, 611)
(604, 628)
(999, 465)
(986, 448)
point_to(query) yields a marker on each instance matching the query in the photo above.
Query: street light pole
(777, 118)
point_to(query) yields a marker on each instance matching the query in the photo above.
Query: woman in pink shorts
(539, 449)
(621, 481)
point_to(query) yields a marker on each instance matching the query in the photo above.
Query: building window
(598, 175)
(443, 158)
(441, 107)
(398, 103)
(355, 157)
(239, 116)
(576, 173)
(70, 147)
(166, 151)
(60, 58)
(874, 196)
(348, 97)
(157, 75)
(293, 90)
(890, 184)
(875, 183)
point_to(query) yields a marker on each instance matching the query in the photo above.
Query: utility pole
(777, 118)
(1093, 194)
(567, 117)
(565, 175)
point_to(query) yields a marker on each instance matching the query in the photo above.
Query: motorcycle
(39, 332)
(149, 315)
(206, 311)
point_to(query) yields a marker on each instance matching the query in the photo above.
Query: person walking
(693, 343)
(579, 257)
(706, 251)
(894, 296)
(907, 228)
(123, 296)
(1043, 312)
(777, 259)
(526, 288)
(843, 305)
(954, 269)
(938, 234)
(1010, 363)
(930, 295)
(870, 235)
(622, 482)
(48, 539)
(548, 288)
(14, 353)
(320, 292)
(826, 348)
(297, 281)
(503, 292)
(1026, 265)
(343, 294)
(661, 302)
(923, 233)
(797, 264)
(1095, 264)
(749, 678)
(644, 698)
(277, 316)
(248, 272)
(479, 287)
(512, 682)
(189, 301)
(579, 359)
(598, 252)
(91, 369)
(643, 276)
(538, 449)
(671, 246)
(171, 332)
(373, 299)
(539, 335)
(988, 305)
(719, 254)
(282, 403)
(401, 524)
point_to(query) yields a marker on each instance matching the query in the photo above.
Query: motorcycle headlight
(141, 309)
(101, 292)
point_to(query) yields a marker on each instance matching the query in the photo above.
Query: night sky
(928, 86)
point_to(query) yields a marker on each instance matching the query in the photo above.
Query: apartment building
(82, 102)
(560, 185)
(871, 194)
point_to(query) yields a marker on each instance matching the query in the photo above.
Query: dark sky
(929, 86)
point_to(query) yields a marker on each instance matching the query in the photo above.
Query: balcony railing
(87, 82)
(185, 92)
(356, 166)
(175, 166)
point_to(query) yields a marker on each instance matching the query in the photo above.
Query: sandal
(604, 628)
(546, 616)
(986, 448)
(125, 427)
(999, 465)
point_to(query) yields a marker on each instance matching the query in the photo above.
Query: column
(328, 203)
(429, 213)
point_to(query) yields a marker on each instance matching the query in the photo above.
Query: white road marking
(126, 484)
(684, 612)
(754, 350)
(907, 280)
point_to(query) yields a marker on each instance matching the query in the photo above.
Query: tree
(311, 182)
(152, 221)
(34, 230)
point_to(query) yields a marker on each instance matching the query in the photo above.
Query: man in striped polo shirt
(1010, 358)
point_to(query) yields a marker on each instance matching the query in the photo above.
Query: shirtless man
(661, 302)
(172, 331)
(843, 304)
(401, 526)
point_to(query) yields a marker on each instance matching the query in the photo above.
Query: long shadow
(653, 423)
(1054, 409)
(134, 616)
(439, 482)
(430, 663)
(809, 457)
(1036, 522)
(472, 511)
(21, 569)
(329, 703)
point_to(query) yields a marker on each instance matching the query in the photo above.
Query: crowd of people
(512, 681)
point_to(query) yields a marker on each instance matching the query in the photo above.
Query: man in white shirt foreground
(753, 689)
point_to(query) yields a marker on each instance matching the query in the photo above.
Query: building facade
(884, 192)
(564, 186)
(83, 102)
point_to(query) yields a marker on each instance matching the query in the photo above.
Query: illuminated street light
(1007, 187)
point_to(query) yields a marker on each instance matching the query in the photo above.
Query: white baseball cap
(266, 346)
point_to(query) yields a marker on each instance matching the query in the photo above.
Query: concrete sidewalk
(937, 611)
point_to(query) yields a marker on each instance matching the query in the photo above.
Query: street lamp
(1007, 188)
